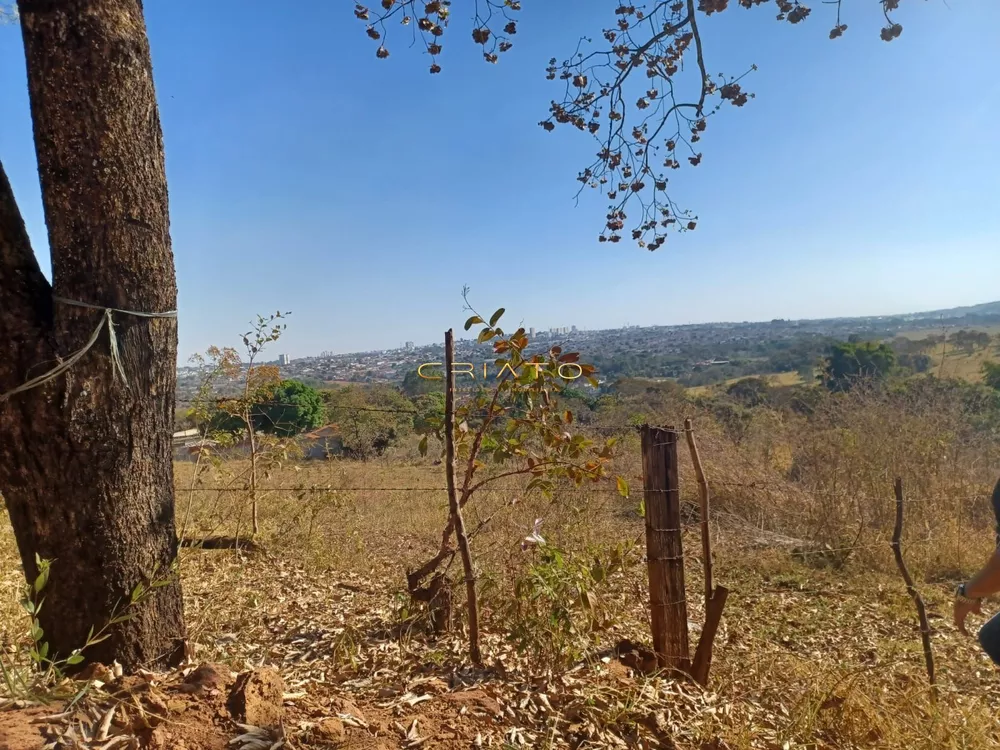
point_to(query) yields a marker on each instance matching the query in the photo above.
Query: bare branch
(433, 18)
(655, 40)
(669, 111)
(660, 119)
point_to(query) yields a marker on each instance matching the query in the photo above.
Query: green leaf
(473, 321)
(496, 316)
(74, 659)
(423, 446)
(137, 592)
(41, 580)
(622, 486)
(485, 335)
(642, 508)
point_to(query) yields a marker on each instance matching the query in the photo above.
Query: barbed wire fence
(756, 488)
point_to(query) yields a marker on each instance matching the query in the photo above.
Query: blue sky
(361, 194)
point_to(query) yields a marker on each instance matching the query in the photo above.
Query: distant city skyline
(533, 332)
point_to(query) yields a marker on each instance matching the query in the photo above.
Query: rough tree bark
(85, 462)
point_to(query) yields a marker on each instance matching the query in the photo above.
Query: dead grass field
(925, 332)
(966, 366)
(774, 378)
(819, 646)
(949, 363)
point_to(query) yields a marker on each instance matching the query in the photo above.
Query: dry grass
(819, 646)
(925, 332)
(963, 365)
(774, 378)
(947, 362)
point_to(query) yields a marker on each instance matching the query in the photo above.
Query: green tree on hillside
(991, 374)
(849, 363)
(284, 409)
(295, 407)
(968, 341)
(918, 363)
(750, 391)
(430, 412)
(370, 418)
(414, 385)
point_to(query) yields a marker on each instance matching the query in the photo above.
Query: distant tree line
(372, 418)
(803, 354)
(369, 418)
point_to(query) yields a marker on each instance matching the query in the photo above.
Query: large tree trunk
(85, 462)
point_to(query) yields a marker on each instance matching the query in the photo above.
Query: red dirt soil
(203, 708)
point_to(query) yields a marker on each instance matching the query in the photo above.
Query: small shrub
(556, 612)
(34, 673)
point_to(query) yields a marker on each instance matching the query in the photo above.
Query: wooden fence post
(897, 551)
(664, 551)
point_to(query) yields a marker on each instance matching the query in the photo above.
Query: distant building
(573, 329)
(284, 359)
(531, 332)
(409, 346)
(188, 444)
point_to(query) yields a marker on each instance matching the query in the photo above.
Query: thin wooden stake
(715, 596)
(455, 509)
(703, 654)
(706, 540)
(664, 550)
(925, 630)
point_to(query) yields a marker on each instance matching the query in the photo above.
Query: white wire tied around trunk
(116, 360)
